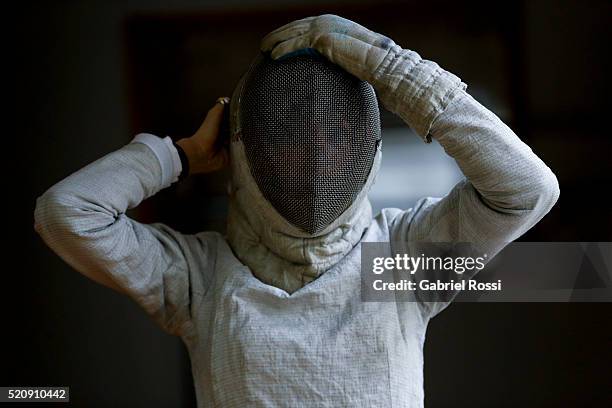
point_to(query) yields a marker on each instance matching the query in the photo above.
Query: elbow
(555, 190)
(60, 213)
(537, 193)
(51, 213)
(45, 212)
(545, 192)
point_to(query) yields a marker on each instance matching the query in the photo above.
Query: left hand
(344, 42)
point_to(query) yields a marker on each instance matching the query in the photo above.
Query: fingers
(209, 130)
(212, 122)
(339, 25)
(290, 46)
(202, 150)
(286, 32)
(356, 56)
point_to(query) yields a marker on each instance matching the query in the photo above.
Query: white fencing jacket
(253, 344)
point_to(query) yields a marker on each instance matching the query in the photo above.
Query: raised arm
(507, 187)
(82, 218)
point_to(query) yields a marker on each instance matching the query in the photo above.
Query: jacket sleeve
(507, 189)
(82, 219)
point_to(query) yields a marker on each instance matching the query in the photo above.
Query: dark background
(90, 75)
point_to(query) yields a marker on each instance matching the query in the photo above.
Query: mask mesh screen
(310, 132)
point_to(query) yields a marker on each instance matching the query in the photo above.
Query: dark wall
(88, 77)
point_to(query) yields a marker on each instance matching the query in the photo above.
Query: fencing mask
(310, 133)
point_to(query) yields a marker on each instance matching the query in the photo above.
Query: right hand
(204, 153)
